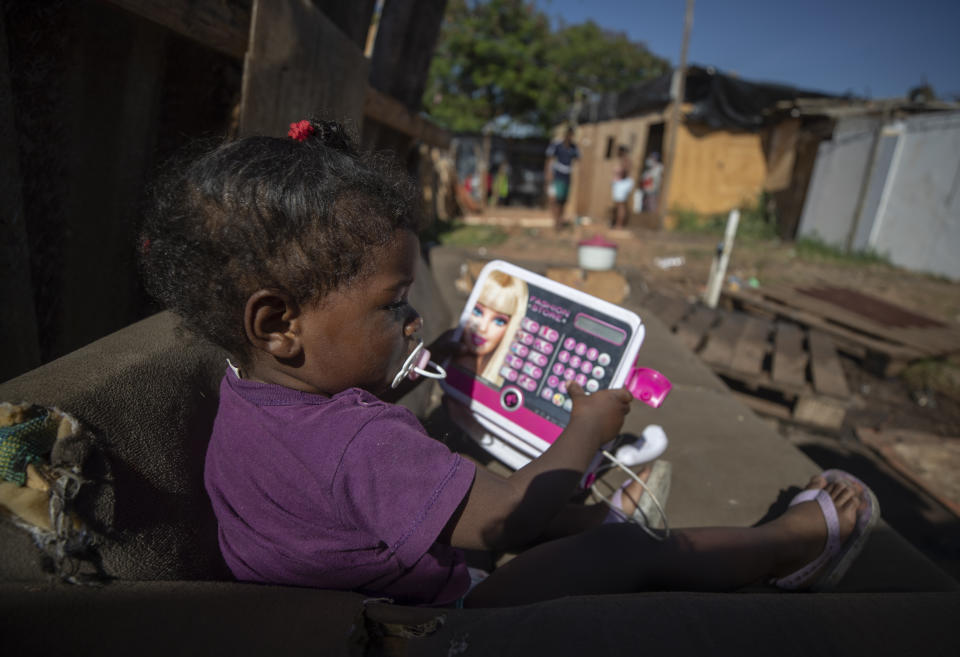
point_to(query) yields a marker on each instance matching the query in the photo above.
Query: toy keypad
(543, 358)
(559, 335)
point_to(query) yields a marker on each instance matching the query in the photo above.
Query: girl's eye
(398, 307)
(499, 321)
(477, 312)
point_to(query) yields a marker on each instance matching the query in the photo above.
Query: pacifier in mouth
(415, 365)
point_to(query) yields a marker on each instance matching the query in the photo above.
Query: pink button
(539, 359)
(552, 335)
(592, 354)
(529, 325)
(508, 374)
(526, 338)
(544, 346)
(581, 348)
(553, 381)
(563, 356)
(519, 349)
(575, 362)
(546, 393)
(569, 343)
(586, 367)
(581, 379)
(526, 383)
(568, 374)
(558, 369)
(532, 370)
(562, 388)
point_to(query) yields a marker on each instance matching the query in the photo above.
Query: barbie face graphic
(485, 329)
(491, 325)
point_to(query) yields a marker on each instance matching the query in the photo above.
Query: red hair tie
(301, 130)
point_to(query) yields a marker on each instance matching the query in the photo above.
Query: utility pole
(677, 87)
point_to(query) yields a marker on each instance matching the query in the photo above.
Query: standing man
(560, 157)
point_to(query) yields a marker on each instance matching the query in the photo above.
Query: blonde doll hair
(505, 294)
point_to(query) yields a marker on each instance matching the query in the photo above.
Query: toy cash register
(528, 337)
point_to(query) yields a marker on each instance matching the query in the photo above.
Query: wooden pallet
(883, 348)
(779, 367)
(930, 461)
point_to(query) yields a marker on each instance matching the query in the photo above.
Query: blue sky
(875, 48)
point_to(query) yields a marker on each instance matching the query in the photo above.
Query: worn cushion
(147, 394)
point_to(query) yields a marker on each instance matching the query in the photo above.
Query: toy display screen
(526, 343)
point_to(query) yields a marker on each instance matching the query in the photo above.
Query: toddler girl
(297, 256)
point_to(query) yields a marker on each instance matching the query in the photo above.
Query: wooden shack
(96, 94)
(727, 150)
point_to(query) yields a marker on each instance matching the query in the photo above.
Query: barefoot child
(297, 256)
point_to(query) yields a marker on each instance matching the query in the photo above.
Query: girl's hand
(601, 414)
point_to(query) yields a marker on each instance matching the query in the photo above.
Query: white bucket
(596, 254)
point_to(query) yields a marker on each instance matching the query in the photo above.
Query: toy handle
(649, 386)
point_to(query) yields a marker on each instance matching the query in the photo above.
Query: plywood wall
(716, 170)
(593, 175)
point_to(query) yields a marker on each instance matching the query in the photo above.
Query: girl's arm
(509, 512)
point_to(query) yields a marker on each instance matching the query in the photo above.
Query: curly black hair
(300, 217)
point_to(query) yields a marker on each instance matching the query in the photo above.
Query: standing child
(621, 188)
(297, 256)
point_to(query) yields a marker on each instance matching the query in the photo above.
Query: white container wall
(893, 189)
(838, 174)
(918, 221)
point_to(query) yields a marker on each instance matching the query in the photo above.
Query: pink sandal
(836, 558)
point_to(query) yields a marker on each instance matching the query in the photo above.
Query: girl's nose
(413, 326)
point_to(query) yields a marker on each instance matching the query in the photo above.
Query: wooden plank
(929, 461)
(789, 358)
(402, 52)
(752, 346)
(353, 18)
(888, 349)
(939, 340)
(607, 285)
(827, 374)
(821, 411)
(722, 339)
(764, 406)
(222, 26)
(18, 330)
(691, 330)
(916, 339)
(392, 113)
(299, 64)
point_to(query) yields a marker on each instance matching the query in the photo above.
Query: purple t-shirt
(344, 492)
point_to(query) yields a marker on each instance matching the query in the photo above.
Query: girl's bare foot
(630, 497)
(802, 529)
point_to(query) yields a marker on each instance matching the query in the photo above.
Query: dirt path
(894, 403)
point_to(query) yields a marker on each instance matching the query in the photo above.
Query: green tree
(500, 58)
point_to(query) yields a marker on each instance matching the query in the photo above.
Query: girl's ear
(269, 320)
